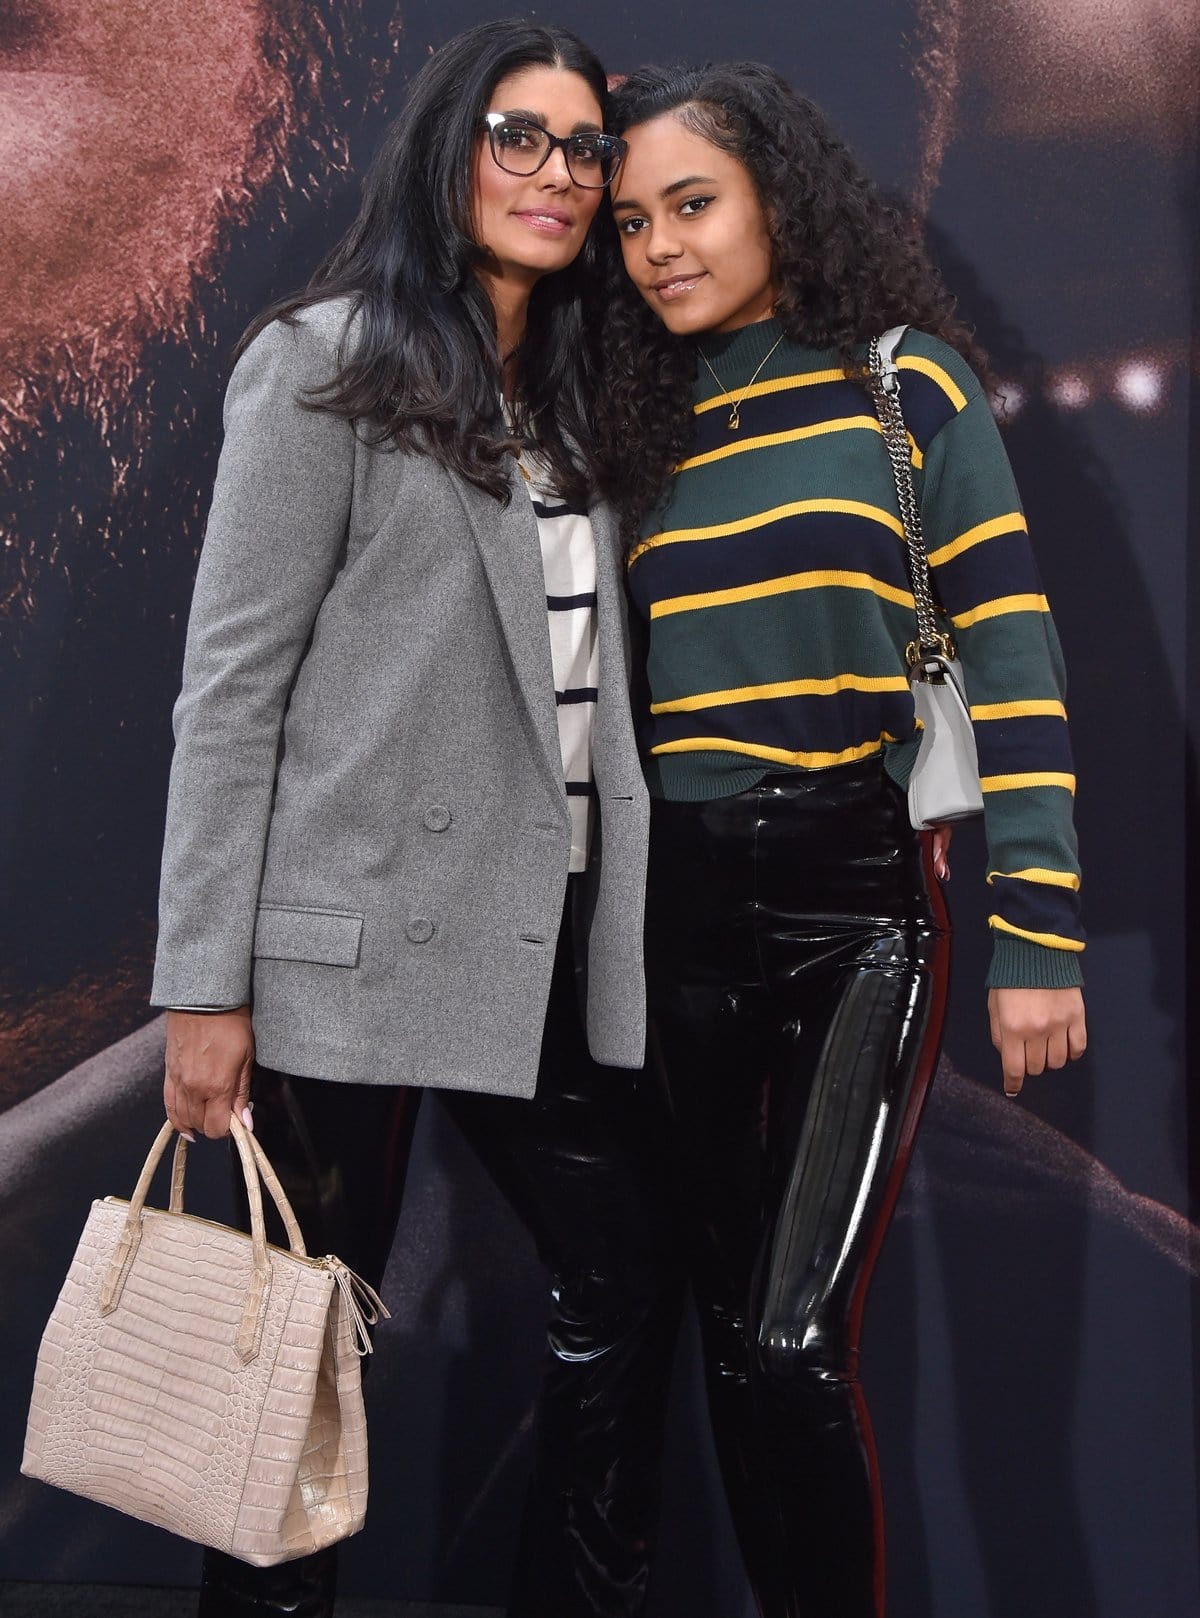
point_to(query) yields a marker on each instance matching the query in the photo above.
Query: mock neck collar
(738, 352)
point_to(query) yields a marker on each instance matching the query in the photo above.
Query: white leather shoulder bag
(944, 784)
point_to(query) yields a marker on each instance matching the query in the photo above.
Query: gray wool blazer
(367, 834)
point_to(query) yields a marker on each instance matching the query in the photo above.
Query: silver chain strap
(885, 391)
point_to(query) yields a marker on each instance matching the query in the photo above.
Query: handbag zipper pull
(363, 1302)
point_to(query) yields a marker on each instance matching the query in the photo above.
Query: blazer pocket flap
(293, 933)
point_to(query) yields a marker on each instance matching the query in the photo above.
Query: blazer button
(437, 817)
(419, 930)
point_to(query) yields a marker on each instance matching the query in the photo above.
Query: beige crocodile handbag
(203, 1380)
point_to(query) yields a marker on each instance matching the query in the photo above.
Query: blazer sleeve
(275, 538)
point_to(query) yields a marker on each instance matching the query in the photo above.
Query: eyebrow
(523, 115)
(669, 190)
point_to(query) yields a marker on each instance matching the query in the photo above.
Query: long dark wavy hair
(848, 265)
(424, 373)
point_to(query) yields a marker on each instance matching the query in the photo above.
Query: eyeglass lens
(523, 148)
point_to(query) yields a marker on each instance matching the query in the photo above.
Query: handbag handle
(883, 381)
(269, 1178)
(254, 1164)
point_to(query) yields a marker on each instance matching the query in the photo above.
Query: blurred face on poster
(134, 139)
(121, 126)
(1054, 70)
(1067, 67)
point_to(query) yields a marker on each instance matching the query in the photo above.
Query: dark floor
(128, 1601)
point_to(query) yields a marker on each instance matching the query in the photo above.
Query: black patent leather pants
(582, 1166)
(797, 952)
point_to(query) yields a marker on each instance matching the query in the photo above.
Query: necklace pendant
(735, 420)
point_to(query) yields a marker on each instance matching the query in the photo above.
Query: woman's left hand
(1034, 1029)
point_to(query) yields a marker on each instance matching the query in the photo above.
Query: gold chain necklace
(735, 419)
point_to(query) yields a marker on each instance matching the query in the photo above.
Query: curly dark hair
(849, 265)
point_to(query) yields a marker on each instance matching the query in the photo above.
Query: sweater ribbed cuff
(1018, 964)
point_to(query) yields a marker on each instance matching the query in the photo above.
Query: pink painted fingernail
(247, 1119)
(187, 1135)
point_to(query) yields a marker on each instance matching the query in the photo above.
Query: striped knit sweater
(773, 581)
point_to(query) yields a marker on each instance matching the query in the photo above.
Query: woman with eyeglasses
(403, 739)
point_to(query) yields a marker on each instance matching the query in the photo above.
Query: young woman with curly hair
(797, 942)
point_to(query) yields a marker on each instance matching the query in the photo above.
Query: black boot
(300, 1589)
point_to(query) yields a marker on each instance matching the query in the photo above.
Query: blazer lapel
(614, 748)
(507, 540)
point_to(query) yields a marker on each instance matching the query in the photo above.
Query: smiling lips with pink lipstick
(550, 221)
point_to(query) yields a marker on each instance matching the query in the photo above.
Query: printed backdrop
(1031, 1344)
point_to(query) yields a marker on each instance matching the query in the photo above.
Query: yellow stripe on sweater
(776, 384)
(1011, 522)
(1038, 873)
(1049, 940)
(783, 688)
(840, 424)
(760, 519)
(999, 608)
(778, 587)
(1019, 710)
(775, 755)
(1029, 778)
(914, 362)
(808, 379)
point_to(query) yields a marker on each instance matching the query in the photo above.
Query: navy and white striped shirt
(569, 564)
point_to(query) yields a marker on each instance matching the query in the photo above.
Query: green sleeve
(987, 581)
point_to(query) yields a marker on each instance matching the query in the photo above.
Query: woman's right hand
(210, 1056)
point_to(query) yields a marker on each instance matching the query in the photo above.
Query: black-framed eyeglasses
(521, 147)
